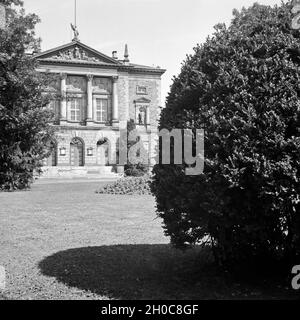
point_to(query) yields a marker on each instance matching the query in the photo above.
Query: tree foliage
(24, 118)
(242, 86)
(139, 167)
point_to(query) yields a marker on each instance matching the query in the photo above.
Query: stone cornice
(90, 128)
(130, 69)
(80, 55)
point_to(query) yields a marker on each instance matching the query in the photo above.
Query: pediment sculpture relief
(75, 53)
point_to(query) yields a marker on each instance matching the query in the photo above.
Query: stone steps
(80, 172)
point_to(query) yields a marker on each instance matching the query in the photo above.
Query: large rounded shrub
(242, 86)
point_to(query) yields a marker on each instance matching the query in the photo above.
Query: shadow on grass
(136, 272)
(131, 271)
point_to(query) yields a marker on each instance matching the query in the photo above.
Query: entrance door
(76, 153)
(52, 159)
(102, 153)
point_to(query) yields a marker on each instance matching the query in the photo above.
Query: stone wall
(127, 94)
(153, 94)
(89, 138)
(123, 95)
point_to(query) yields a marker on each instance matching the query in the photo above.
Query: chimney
(2, 16)
(115, 55)
(126, 55)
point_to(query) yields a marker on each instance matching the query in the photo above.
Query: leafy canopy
(242, 86)
(24, 118)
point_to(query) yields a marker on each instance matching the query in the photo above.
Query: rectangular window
(101, 110)
(75, 107)
(141, 90)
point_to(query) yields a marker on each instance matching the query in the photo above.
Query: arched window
(103, 152)
(52, 159)
(77, 152)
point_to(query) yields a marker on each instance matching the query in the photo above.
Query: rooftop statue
(76, 33)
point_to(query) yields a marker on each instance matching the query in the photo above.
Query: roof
(80, 54)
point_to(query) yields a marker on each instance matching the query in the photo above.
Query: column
(148, 115)
(89, 99)
(136, 120)
(115, 103)
(63, 102)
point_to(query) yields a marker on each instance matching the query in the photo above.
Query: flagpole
(75, 13)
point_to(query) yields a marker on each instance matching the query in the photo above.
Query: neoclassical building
(94, 97)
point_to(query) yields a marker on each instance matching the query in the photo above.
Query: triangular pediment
(75, 52)
(142, 100)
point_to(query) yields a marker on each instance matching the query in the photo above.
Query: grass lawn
(61, 240)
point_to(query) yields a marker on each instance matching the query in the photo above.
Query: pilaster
(63, 102)
(89, 119)
(115, 103)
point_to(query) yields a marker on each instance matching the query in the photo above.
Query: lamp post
(90, 152)
(62, 152)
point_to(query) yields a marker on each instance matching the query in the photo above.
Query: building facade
(93, 99)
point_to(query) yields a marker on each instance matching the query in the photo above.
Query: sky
(158, 32)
